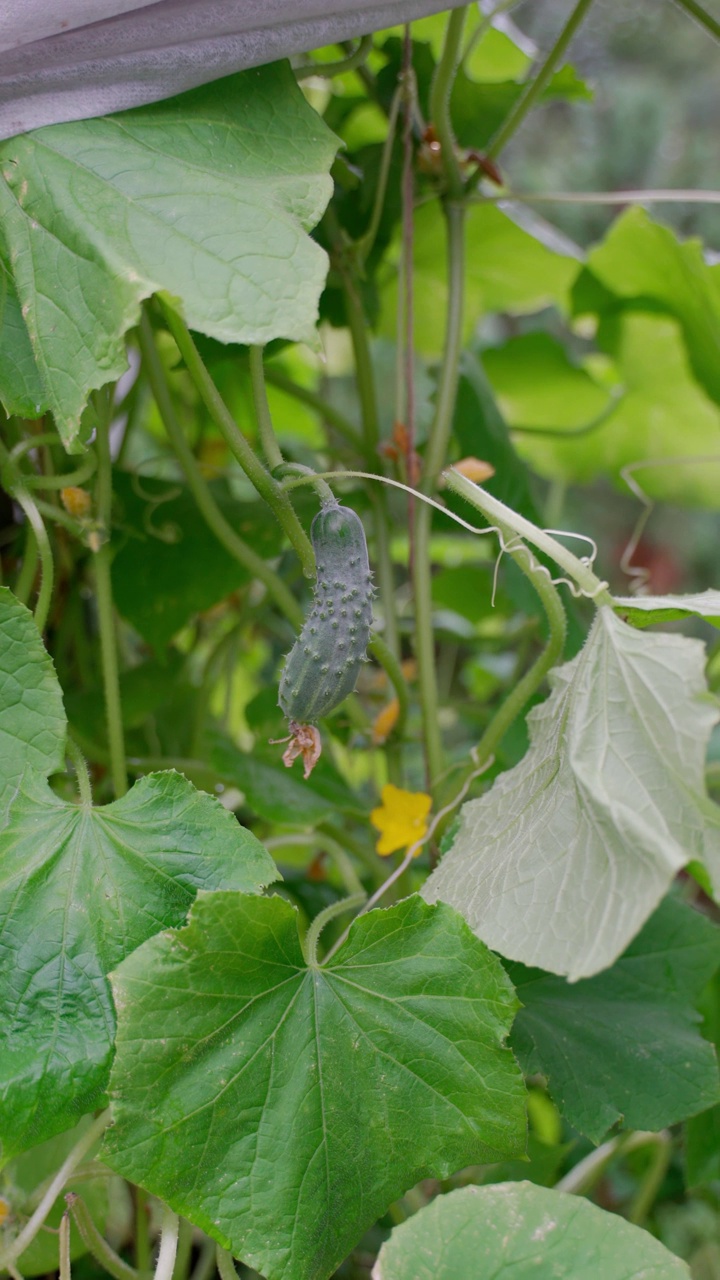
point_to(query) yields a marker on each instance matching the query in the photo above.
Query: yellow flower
(401, 818)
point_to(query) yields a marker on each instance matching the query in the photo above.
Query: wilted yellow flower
(474, 469)
(401, 819)
(385, 722)
(77, 502)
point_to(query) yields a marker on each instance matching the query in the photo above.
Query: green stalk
(647, 1192)
(700, 15)
(534, 90)
(314, 401)
(79, 764)
(47, 567)
(321, 487)
(106, 612)
(435, 459)
(142, 1227)
(316, 926)
(64, 1269)
(97, 1245)
(53, 1189)
(28, 570)
(342, 836)
(344, 864)
(364, 375)
(551, 654)
(499, 514)
(436, 451)
(205, 1266)
(225, 1264)
(363, 246)
(311, 840)
(271, 448)
(199, 488)
(59, 516)
(184, 1250)
(586, 1174)
(66, 479)
(383, 654)
(339, 68)
(365, 380)
(203, 693)
(268, 489)
(13, 482)
(168, 1244)
(440, 91)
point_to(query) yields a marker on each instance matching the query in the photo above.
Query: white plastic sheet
(69, 59)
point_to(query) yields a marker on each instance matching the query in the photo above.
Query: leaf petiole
(71, 1161)
(501, 515)
(317, 925)
(95, 1242)
(168, 1244)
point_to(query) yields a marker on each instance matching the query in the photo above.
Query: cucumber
(323, 664)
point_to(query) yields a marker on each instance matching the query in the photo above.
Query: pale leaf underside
(563, 860)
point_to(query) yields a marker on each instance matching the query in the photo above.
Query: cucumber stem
(268, 488)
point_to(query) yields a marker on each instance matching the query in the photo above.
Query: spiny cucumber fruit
(323, 664)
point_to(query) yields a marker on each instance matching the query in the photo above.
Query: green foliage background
(204, 302)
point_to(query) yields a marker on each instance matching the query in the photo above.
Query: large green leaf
(641, 259)
(625, 1045)
(563, 860)
(32, 717)
(282, 1107)
(482, 432)
(21, 390)
(538, 387)
(207, 196)
(662, 415)
(171, 565)
(513, 1230)
(80, 888)
(507, 269)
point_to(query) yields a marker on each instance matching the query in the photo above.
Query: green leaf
(496, 56)
(513, 1230)
(641, 259)
(644, 611)
(662, 415)
(481, 431)
(507, 269)
(625, 1045)
(171, 565)
(702, 1148)
(479, 109)
(21, 390)
(276, 793)
(537, 386)
(143, 691)
(80, 889)
(282, 1107)
(563, 860)
(207, 196)
(32, 717)
(23, 1177)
